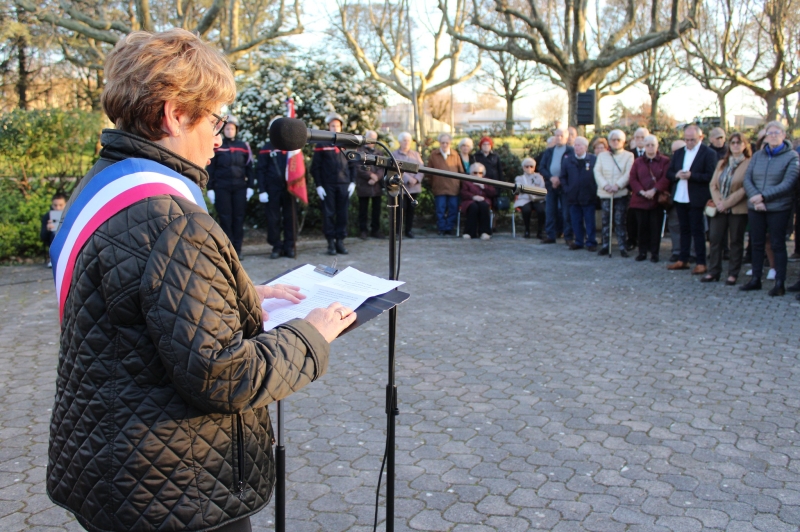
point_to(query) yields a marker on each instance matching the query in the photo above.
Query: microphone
(291, 134)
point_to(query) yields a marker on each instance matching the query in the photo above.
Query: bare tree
(88, 29)
(551, 110)
(659, 73)
(554, 34)
(376, 35)
(757, 48)
(507, 76)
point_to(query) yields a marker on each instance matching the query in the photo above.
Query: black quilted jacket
(164, 372)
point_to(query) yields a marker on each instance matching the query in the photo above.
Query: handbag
(502, 203)
(711, 209)
(664, 200)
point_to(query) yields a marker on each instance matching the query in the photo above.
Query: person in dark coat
(335, 179)
(231, 182)
(368, 188)
(690, 171)
(716, 141)
(47, 231)
(476, 205)
(489, 159)
(165, 372)
(557, 219)
(648, 178)
(580, 187)
(278, 202)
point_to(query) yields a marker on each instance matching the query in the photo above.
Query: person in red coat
(648, 177)
(476, 204)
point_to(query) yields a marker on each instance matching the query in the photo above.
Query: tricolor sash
(110, 191)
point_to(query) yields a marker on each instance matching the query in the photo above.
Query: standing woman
(465, 147)
(413, 182)
(231, 182)
(769, 183)
(527, 203)
(165, 371)
(728, 194)
(648, 178)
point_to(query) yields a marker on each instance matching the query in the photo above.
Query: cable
(378, 491)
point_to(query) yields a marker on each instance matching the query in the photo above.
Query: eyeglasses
(614, 139)
(735, 142)
(774, 133)
(220, 123)
(477, 173)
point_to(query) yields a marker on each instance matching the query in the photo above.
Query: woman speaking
(165, 371)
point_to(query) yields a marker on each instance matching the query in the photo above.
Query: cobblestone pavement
(539, 388)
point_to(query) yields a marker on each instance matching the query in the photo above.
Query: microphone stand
(393, 184)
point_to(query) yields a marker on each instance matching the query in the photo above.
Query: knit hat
(486, 139)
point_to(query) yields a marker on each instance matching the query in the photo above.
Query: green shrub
(21, 211)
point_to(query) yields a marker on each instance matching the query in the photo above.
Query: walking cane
(663, 225)
(611, 225)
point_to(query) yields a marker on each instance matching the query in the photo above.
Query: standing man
(612, 171)
(556, 209)
(231, 182)
(278, 202)
(638, 142)
(368, 187)
(336, 181)
(691, 170)
(717, 142)
(445, 190)
(577, 178)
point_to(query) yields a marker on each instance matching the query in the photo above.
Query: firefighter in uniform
(335, 180)
(231, 182)
(278, 202)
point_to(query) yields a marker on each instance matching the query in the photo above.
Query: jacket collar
(120, 145)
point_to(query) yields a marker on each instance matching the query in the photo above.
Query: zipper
(239, 486)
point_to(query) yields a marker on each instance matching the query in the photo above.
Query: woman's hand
(758, 198)
(477, 198)
(279, 291)
(720, 205)
(331, 321)
(760, 207)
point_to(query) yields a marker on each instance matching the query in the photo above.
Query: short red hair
(486, 139)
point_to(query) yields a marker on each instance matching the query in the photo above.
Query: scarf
(726, 178)
(772, 152)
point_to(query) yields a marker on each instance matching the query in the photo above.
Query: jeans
(620, 229)
(774, 223)
(692, 228)
(557, 218)
(231, 205)
(582, 216)
(719, 227)
(446, 212)
(648, 222)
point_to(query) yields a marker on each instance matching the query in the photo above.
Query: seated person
(50, 221)
(476, 204)
(528, 202)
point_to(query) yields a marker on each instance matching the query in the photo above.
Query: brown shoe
(699, 269)
(678, 265)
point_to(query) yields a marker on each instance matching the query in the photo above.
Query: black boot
(331, 247)
(753, 284)
(340, 249)
(778, 290)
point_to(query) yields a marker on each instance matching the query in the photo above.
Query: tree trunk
(572, 96)
(597, 97)
(723, 110)
(771, 99)
(655, 95)
(509, 115)
(23, 75)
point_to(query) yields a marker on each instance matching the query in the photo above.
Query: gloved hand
(211, 196)
(321, 193)
(250, 193)
(350, 189)
(263, 197)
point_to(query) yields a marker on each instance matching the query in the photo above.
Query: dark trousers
(406, 210)
(527, 210)
(334, 211)
(774, 223)
(478, 219)
(692, 228)
(558, 219)
(648, 224)
(797, 224)
(375, 218)
(719, 228)
(231, 206)
(280, 217)
(583, 224)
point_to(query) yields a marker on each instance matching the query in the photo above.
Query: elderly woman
(730, 222)
(413, 182)
(599, 146)
(648, 178)
(165, 371)
(465, 147)
(769, 183)
(476, 205)
(612, 172)
(527, 203)
(489, 159)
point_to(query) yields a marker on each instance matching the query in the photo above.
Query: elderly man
(638, 142)
(580, 187)
(612, 172)
(445, 190)
(716, 141)
(691, 170)
(413, 182)
(557, 213)
(368, 188)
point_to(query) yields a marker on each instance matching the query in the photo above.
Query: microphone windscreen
(288, 134)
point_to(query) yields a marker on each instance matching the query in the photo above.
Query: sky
(683, 102)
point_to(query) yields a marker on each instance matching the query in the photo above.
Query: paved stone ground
(539, 389)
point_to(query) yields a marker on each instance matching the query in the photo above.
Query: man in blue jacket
(557, 214)
(580, 188)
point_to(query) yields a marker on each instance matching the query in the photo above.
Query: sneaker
(485, 236)
(771, 274)
(466, 236)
